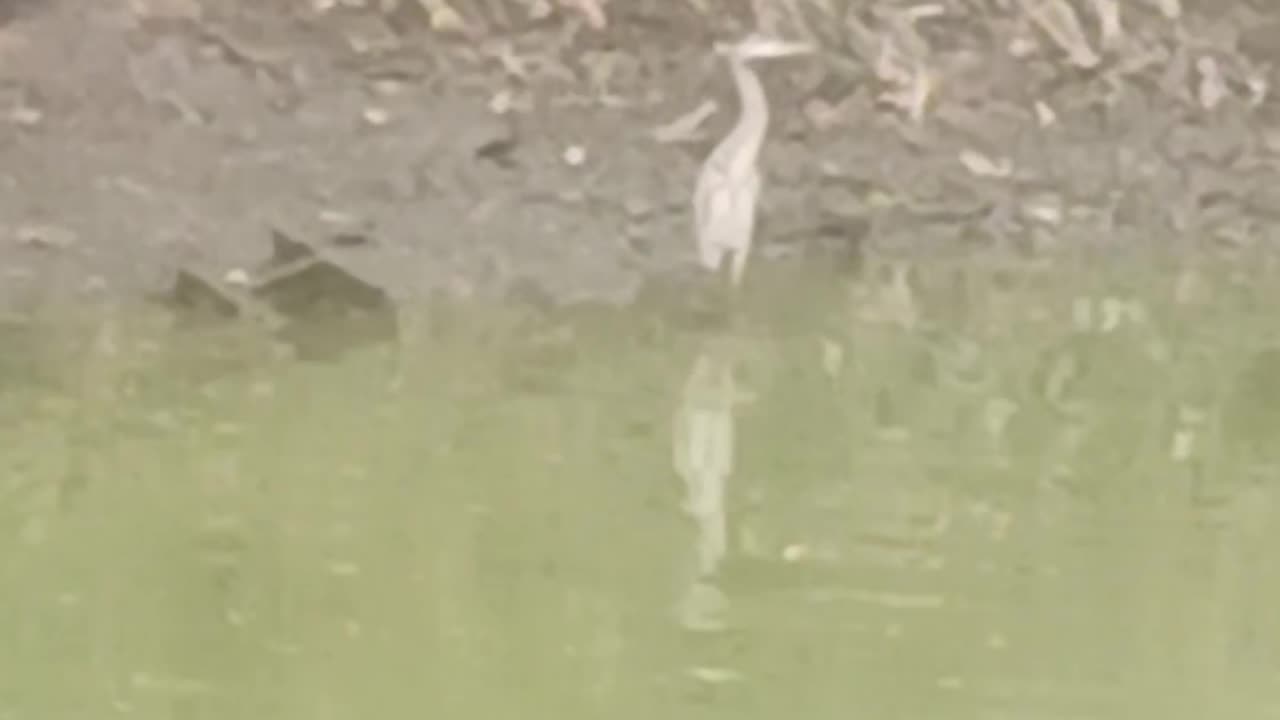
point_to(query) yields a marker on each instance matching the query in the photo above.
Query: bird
(724, 200)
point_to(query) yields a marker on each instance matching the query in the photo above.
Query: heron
(724, 200)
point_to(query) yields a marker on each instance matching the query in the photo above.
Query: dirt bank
(137, 137)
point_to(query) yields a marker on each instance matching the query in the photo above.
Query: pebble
(26, 116)
(237, 277)
(376, 116)
(575, 155)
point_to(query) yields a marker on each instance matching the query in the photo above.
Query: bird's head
(761, 46)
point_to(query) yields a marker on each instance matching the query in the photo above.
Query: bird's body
(729, 184)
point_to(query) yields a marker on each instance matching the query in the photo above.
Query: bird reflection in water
(703, 457)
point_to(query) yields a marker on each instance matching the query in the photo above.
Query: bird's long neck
(748, 134)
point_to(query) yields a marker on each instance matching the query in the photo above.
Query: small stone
(714, 675)
(376, 116)
(982, 165)
(338, 218)
(502, 102)
(388, 88)
(575, 155)
(795, 553)
(1045, 114)
(26, 116)
(237, 277)
(442, 17)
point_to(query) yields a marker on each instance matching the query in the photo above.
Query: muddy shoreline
(142, 138)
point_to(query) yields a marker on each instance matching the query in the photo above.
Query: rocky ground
(555, 149)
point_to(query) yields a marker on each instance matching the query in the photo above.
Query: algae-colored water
(992, 492)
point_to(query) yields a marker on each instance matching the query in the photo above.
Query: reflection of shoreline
(703, 457)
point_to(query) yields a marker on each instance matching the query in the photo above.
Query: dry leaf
(892, 64)
(921, 90)
(685, 127)
(901, 25)
(443, 17)
(1059, 22)
(1212, 89)
(984, 166)
(1045, 114)
(911, 97)
(1259, 87)
(1045, 208)
(901, 59)
(1109, 28)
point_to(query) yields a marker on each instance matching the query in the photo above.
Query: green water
(1008, 492)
